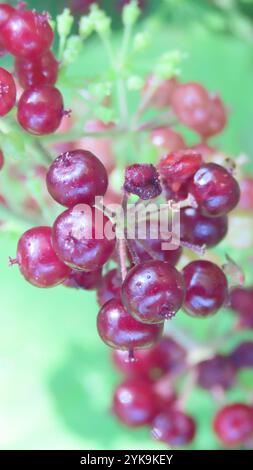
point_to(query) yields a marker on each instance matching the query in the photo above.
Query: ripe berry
(118, 329)
(40, 110)
(160, 92)
(87, 280)
(206, 288)
(134, 403)
(27, 34)
(241, 299)
(242, 356)
(5, 12)
(167, 140)
(151, 248)
(37, 72)
(83, 238)
(190, 102)
(1, 159)
(110, 287)
(218, 371)
(233, 424)
(174, 427)
(153, 291)
(7, 92)
(177, 167)
(37, 260)
(76, 177)
(80, 6)
(197, 229)
(215, 190)
(165, 357)
(142, 179)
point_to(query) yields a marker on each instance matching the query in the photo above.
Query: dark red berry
(134, 403)
(83, 238)
(27, 34)
(215, 190)
(206, 288)
(153, 291)
(233, 424)
(118, 329)
(87, 280)
(76, 177)
(81, 6)
(37, 72)
(242, 355)
(167, 140)
(110, 287)
(40, 110)
(7, 92)
(38, 261)
(241, 299)
(1, 159)
(197, 229)
(177, 167)
(142, 179)
(219, 371)
(174, 427)
(165, 357)
(151, 248)
(5, 12)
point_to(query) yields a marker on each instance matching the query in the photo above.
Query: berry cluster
(28, 36)
(139, 283)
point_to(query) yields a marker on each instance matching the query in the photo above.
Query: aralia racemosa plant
(69, 137)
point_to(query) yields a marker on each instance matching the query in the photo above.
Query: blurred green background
(56, 379)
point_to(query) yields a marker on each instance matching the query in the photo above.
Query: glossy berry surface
(83, 238)
(38, 261)
(218, 371)
(242, 355)
(37, 72)
(142, 179)
(5, 12)
(87, 280)
(177, 167)
(174, 428)
(153, 291)
(134, 403)
(233, 424)
(27, 34)
(40, 110)
(197, 229)
(7, 92)
(109, 287)
(206, 288)
(165, 357)
(76, 177)
(167, 140)
(118, 329)
(215, 190)
(151, 248)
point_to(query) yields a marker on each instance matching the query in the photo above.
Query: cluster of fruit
(145, 288)
(28, 36)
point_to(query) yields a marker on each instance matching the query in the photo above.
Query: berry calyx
(7, 92)
(76, 177)
(233, 424)
(42, 70)
(37, 259)
(174, 427)
(215, 190)
(142, 179)
(153, 291)
(206, 288)
(83, 238)
(40, 110)
(27, 34)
